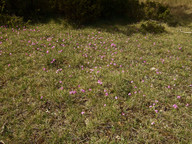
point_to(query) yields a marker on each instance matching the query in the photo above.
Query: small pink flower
(178, 97)
(72, 92)
(129, 94)
(123, 114)
(106, 94)
(99, 82)
(9, 65)
(175, 106)
(61, 88)
(104, 105)
(113, 45)
(116, 97)
(90, 89)
(152, 123)
(82, 90)
(41, 97)
(187, 105)
(156, 111)
(82, 112)
(131, 81)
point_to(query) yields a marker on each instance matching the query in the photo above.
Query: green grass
(126, 85)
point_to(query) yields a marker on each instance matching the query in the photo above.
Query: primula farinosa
(82, 112)
(178, 97)
(113, 45)
(99, 82)
(156, 111)
(82, 90)
(175, 106)
(72, 92)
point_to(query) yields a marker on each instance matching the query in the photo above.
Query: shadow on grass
(181, 16)
(128, 28)
(115, 26)
(44, 19)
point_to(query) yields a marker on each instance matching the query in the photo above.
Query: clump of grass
(152, 27)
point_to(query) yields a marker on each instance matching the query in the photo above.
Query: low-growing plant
(152, 27)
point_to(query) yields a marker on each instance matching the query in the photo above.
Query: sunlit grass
(95, 85)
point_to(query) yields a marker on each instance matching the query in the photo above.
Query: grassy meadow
(97, 84)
